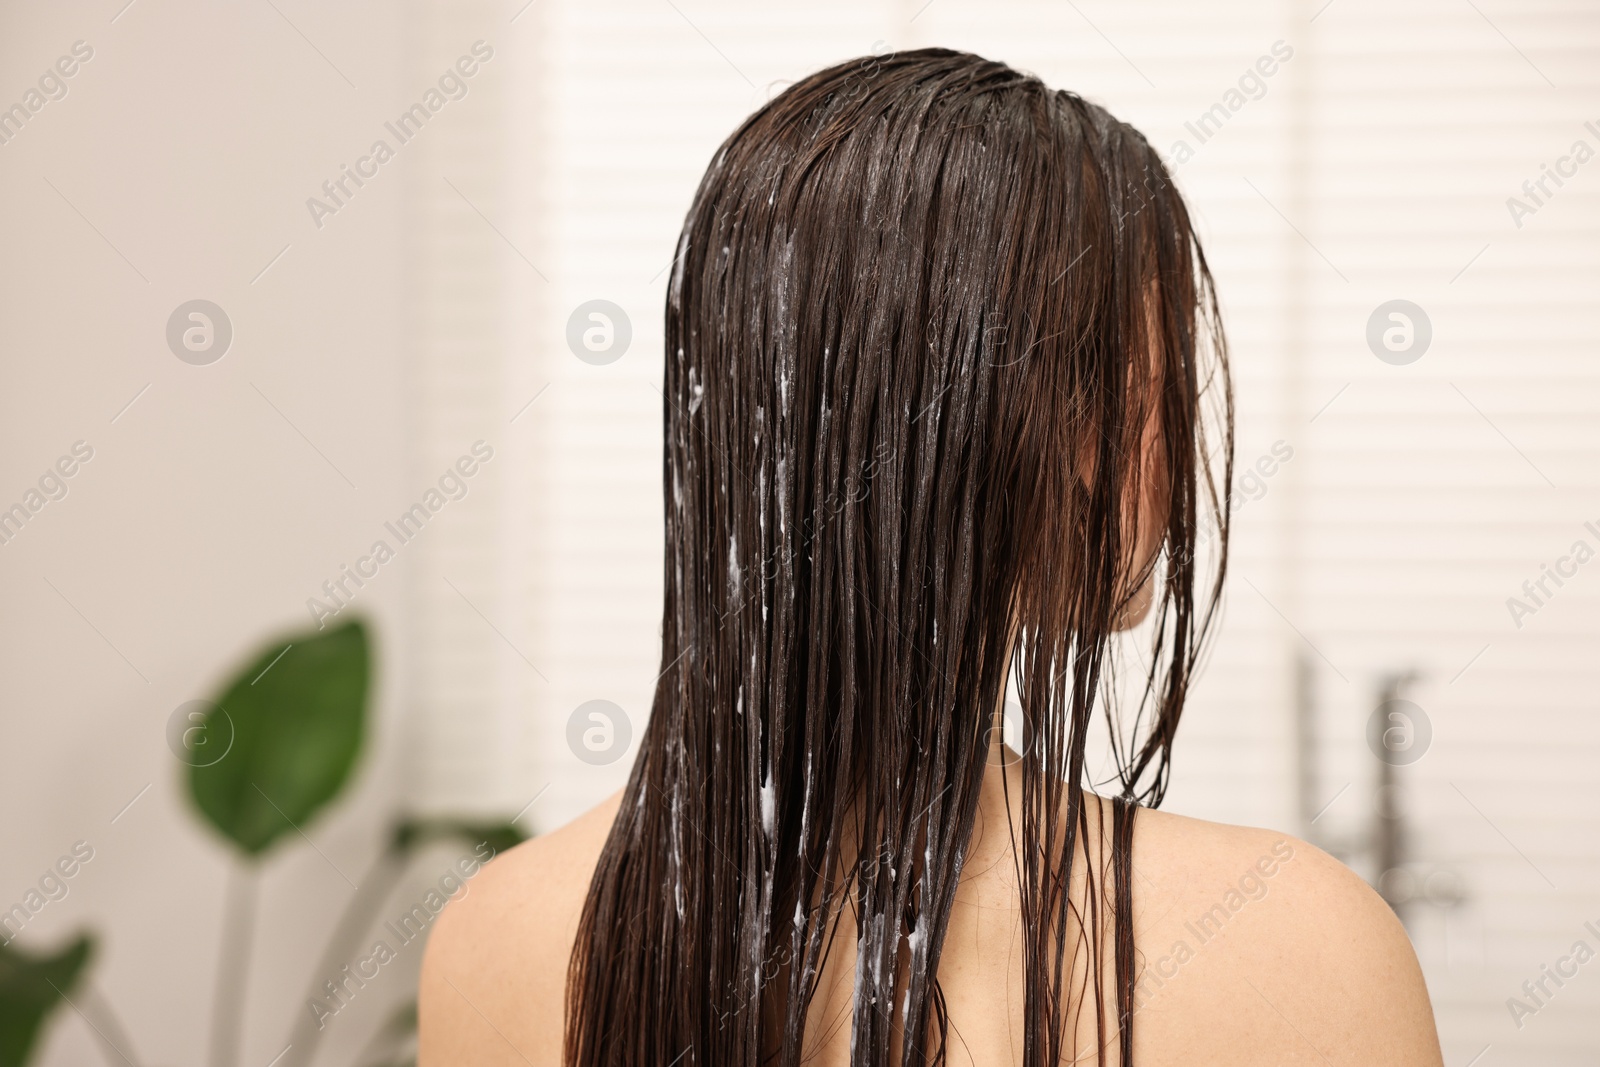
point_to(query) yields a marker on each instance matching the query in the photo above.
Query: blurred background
(1401, 204)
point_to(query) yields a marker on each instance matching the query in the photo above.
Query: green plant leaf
(295, 718)
(414, 833)
(31, 987)
(395, 1044)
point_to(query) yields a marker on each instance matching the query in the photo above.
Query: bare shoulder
(494, 974)
(1288, 945)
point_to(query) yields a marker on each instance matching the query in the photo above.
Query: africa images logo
(452, 85)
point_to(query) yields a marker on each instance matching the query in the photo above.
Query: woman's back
(1251, 947)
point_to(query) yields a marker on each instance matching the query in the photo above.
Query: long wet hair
(938, 340)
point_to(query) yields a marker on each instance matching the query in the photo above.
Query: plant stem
(95, 1010)
(233, 963)
(342, 946)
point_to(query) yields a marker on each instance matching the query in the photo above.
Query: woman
(943, 388)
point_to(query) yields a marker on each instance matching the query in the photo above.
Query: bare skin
(1252, 947)
(1304, 964)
